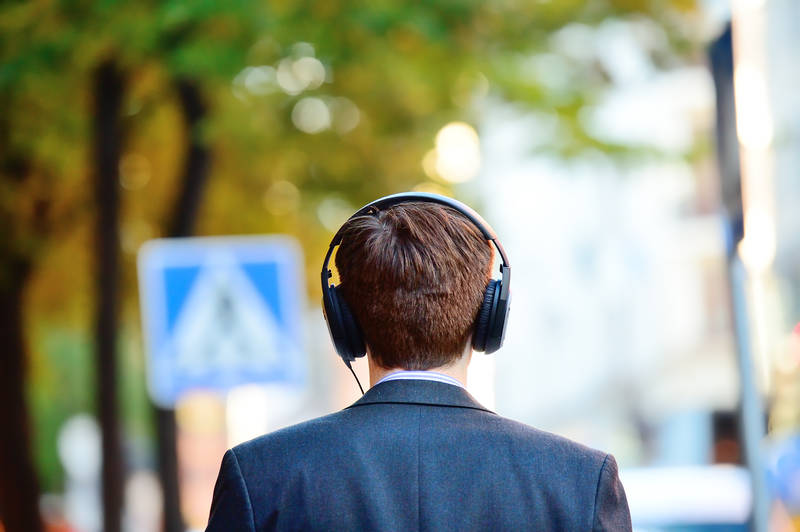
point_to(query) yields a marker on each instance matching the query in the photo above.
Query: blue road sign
(218, 312)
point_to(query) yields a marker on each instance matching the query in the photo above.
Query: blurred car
(710, 498)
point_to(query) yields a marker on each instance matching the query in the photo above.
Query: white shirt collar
(421, 376)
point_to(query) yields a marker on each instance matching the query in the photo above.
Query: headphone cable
(347, 363)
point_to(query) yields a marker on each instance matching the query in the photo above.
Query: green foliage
(61, 371)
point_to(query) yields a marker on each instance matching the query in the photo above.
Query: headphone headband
(426, 197)
(386, 202)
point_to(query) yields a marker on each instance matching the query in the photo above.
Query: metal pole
(751, 408)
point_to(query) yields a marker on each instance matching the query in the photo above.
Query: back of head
(414, 276)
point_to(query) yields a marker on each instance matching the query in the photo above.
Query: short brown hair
(414, 276)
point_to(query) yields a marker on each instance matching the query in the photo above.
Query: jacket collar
(419, 392)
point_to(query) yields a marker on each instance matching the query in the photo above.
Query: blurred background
(638, 159)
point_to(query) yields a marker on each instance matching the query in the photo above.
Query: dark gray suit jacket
(416, 455)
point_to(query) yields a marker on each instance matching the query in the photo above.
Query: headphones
(490, 325)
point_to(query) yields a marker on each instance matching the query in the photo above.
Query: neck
(457, 369)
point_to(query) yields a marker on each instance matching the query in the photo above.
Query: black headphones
(490, 325)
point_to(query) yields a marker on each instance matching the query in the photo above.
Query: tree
(108, 86)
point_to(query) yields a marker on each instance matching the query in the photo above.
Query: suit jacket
(416, 455)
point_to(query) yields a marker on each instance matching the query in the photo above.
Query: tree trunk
(183, 218)
(19, 486)
(196, 164)
(108, 89)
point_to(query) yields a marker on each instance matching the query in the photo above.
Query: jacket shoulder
(285, 444)
(553, 445)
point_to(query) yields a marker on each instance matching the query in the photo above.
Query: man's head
(414, 276)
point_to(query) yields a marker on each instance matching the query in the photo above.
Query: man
(416, 452)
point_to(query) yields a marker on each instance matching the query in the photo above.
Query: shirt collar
(419, 392)
(420, 376)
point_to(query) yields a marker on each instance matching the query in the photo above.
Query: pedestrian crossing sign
(218, 312)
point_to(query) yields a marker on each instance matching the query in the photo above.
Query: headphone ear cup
(484, 316)
(333, 318)
(353, 334)
(343, 328)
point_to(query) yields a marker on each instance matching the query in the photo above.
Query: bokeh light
(260, 79)
(458, 156)
(311, 115)
(758, 247)
(753, 118)
(345, 113)
(333, 211)
(281, 198)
